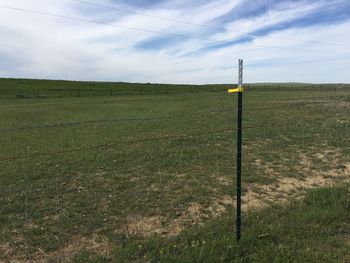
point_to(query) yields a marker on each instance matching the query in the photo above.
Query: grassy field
(145, 173)
(313, 230)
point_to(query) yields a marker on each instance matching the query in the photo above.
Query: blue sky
(179, 41)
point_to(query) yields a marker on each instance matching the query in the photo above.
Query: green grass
(48, 201)
(26, 89)
(316, 229)
(31, 88)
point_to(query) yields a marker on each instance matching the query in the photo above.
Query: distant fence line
(149, 89)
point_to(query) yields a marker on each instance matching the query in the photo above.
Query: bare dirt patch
(223, 180)
(256, 197)
(15, 254)
(266, 168)
(144, 226)
(259, 196)
(96, 243)
(6, 251)
(148, 226)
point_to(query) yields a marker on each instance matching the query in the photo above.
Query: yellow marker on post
(237, 90)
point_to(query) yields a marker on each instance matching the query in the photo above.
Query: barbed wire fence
(164, 182)
(297, 140)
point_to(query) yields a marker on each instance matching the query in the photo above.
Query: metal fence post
(239, 90)
(239, 148)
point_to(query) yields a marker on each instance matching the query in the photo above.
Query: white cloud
(49, 47)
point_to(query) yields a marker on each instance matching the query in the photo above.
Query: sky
(176, 41)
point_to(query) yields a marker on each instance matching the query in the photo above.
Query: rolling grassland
(103, 172)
